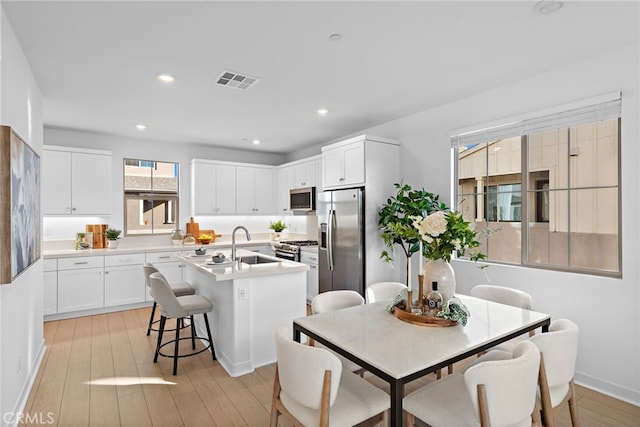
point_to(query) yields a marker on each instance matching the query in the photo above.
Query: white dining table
(399, 352)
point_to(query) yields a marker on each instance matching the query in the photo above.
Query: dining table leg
(397, 391)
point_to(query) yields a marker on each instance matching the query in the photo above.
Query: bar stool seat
(178, 288)
(173, 307)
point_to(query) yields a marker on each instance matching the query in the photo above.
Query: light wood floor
(76, 384)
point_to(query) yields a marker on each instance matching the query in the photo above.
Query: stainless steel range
(290, 249)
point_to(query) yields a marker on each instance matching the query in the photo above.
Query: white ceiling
(96, 62)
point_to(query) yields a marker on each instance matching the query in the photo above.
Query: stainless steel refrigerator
(341, 240)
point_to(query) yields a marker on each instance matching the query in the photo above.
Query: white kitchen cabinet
(255, 190)
(304, 174)
(343, 165)
(311, 259)
(124, 279)
(283, 185)
(50, 287)
(213, 188)
(76, 183)
(80, 283)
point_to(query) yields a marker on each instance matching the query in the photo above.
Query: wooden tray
(418, 319)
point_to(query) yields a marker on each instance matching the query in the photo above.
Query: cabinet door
(353, 161)
(56, 182)
(91, 184)
(246, 187)
(318, 164)
(283, 185)
(264, 192)
(124, 285)
(50, 293)
(312, 281)
(80, 289)
(203, 194)
(332, 165)
(225, 189)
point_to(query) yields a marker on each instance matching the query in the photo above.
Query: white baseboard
(609, 389)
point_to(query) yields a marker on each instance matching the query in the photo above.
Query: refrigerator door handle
(330, 227)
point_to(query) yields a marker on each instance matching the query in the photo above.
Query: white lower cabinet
(50, 287)
(311, 259)
(124, 279)
(80, 283)
(166, 264)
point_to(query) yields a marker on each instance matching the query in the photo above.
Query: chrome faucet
(233, 240)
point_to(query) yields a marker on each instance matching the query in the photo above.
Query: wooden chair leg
(450, 369)
(325, 399)
(547, 408)
(483, 406)
(536, 421)
(409, 420)
(153, 313)
(439, 374)
(276, 395)
(573, 405)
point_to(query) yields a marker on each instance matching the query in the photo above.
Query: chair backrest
(335, 300)
(301, 370)
(162, 294)
(510, 385)
(502, 295)
(383, 291)
(559, 347)
(149, 269)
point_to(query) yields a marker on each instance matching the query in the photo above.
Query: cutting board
(99, 240)
(193, 228)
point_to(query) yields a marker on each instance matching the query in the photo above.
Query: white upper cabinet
(213, 188)
(304, 174)
(283, 185)
(255, 190)
(76, 183)
(343, 165)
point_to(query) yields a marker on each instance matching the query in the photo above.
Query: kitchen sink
(256, 259)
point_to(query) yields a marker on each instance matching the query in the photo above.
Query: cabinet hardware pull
(81, 262)
(164, 257)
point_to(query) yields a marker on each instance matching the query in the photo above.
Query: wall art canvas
(20, 240)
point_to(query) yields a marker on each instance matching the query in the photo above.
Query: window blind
(593, 110)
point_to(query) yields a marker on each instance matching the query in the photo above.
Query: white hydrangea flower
(433, 225)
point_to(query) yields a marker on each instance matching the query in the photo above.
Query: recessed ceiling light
(335, 37)
(322, 111)
(546, 7)
(141, 126)
(166, 78)
(256, 141)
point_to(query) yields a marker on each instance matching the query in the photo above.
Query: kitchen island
(251, 299)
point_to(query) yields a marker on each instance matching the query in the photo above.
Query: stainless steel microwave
(302, 199)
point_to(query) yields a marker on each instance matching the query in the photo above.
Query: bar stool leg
(163, 320)
(153, 313)
(175, 352)
(193, 333)
(206, 322)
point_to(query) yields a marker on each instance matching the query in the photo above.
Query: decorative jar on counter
(176, 237)
(189, 240)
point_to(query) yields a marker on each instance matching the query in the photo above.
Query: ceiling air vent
(231, 79)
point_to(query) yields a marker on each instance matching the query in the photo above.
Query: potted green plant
(112, 236)
(395, 220)
(277, 227)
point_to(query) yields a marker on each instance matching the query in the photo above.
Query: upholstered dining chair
(173, 307)
(559, 351)
(331, 301)
(383, 291)
(507, 296)
(312, 389)
(495, 392)
(178, 288)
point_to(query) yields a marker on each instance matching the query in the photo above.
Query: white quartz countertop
(231, 271)
(215, 247)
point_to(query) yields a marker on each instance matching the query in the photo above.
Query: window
(150, 197)
(546, 190)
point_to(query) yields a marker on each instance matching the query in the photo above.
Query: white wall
(21, 331)
(605, 309)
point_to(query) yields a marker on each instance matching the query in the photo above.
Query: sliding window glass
(548, 196)
(150, 197)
